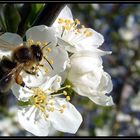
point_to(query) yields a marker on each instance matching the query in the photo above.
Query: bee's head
(37, 52)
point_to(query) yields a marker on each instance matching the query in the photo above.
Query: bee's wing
(12, 72)
(5, 46)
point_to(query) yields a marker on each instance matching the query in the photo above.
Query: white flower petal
(34, 80)
(12, 38)
(91, 53)
(59, 57)
(40, 128)
(95, 89)
(73, 44)
(52, 82)
(95, 40)
(43, 34)
(21, 93)
(85, 64)
(64, 44)
(88, 77)
(69, 121)
(103, 100)
(96, 96)
(65, 13)
(105, 83)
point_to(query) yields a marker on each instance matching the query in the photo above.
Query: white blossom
(47, 110)
(72, 35)
(89, 79)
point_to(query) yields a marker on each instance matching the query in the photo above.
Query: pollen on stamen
(83, 26)
(52, 109)
(89, 34)
(64, 106)
(45, 43)
(67, 27)
(78, 30)
(46, 70)
(61, 110)
(47, 115)
(31, 42)
(65, 93)
(77, 21)
(60, 20)
(49, 49)
(68, 21)
(38, 43)
(51, 61)
(68, 86)
(51, 103)
(68, 98)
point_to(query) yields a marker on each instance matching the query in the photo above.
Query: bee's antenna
(46, 45)
(45, 57)
(48, 62)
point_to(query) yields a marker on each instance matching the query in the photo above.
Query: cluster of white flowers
(72, 50)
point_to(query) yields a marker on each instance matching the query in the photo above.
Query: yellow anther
(68, 98)
(46, 70)
(49, 89)
(49, 49)
(67, 27)
(68, 86)
(42, 109)
(61, 110)
(47, 115)
(64, 106)
(60, 20)
(45, 44)
(38, 43)
(85, 32)
(52, 109)
(78, 31)
(77, 21)
(83, 26)
(31, 42)
(65, 93)
(51, 103)
(68, 21)
(37, 103)
(89, 34)
(51, 61)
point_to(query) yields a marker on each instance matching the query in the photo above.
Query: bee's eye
(37, 52)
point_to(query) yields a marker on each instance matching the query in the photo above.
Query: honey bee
(22, 58)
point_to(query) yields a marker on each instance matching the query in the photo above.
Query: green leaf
(35, 10)
(11, 18)
(26, 103)
(28, 12)
(2, 22)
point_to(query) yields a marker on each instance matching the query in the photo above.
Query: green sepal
(24, 103)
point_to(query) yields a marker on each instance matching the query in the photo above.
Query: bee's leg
(19, 81)
(32, 73)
